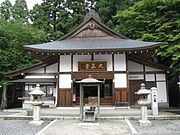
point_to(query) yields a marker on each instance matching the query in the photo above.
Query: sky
(30, 3)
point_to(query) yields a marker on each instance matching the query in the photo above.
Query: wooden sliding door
(65, 97)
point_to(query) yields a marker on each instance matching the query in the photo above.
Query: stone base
(36, 122)
(144, 123)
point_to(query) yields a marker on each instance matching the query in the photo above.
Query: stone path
(74, 127)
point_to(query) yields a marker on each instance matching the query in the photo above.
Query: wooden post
(98, 102)
(81, 102)
(4, 98)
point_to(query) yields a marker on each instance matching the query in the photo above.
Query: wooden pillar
(98, 102)
(81, 102)
(4, 97)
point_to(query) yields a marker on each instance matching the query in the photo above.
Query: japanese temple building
(92, 49)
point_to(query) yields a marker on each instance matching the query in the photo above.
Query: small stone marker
(154, 101)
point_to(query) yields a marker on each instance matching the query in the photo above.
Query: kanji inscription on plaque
(92, 66)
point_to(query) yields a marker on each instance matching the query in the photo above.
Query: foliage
(20, 10)
(6, 10)
(157, 20)
(49, 16)
(14, 34)
(58, 17)
(108, 8)
(76, 12)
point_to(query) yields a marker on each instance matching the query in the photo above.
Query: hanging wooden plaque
(92, 66)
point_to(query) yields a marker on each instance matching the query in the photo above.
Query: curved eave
(93, 45)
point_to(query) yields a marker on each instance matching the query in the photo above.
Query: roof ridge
(92, 13)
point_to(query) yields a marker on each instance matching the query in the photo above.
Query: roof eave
(95, 50)
(29, 68)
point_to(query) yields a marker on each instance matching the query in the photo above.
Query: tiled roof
(93, 44)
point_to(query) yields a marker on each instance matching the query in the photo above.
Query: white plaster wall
(77, 58)
(52, 68)
(150, 77)
(147, 68)
(65, 81)
(31, 76)
(133, 66)
(136, 77)
(162, 92)
(119, 62)
(120, 80)
(65, 63)
(41, 70)
(26, 87)
(105, 57)
(160, 77)
(55, 92)
(31, 87)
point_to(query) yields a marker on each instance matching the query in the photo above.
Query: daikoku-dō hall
(92, 49)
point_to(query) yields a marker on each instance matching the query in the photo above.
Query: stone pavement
(111, 127)
(75, 127)
(105, 113)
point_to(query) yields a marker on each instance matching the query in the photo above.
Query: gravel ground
(19, 127)
(159, 127)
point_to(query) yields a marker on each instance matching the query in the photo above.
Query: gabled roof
(92, 35)
(92, 15)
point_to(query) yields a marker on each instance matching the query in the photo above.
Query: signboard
(87, 66)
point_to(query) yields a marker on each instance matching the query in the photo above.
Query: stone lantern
(36, 102)
(143, 101)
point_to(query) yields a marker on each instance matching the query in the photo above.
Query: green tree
(48, 16)
(6, 10)
(20, 10)
(157, 20)
(108, 8)
(14, 34)
(76, 12)
(58, 17)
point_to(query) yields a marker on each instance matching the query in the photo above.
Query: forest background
(146, 20)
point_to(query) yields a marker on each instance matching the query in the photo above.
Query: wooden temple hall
(92, 50)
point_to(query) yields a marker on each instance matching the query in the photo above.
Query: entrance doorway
(91, 91)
